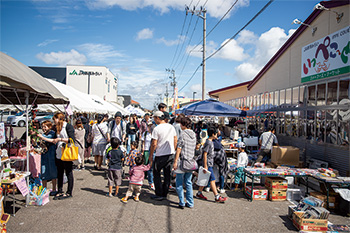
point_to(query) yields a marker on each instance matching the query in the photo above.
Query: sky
(138, 40)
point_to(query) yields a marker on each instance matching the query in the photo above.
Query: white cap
(158, 114)
(241, 145)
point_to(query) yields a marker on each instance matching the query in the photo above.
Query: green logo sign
(73, 73)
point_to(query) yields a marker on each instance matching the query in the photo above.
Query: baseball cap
(241, 145)
(118, 114)
(158, 114)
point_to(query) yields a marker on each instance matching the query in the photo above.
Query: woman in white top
(99, 142)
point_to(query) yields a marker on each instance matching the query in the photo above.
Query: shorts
(239, 175)
(114, 177)
(212, 176)
(132, 188)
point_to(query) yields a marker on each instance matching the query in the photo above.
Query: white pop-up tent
(133, 110)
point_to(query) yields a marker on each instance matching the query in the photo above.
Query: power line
(255, 16)
(190, 78)
(177, 47)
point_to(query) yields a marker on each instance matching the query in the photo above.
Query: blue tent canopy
(211, 107)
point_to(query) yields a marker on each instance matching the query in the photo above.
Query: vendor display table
(265, 172)
(7, 182)
(329, 181)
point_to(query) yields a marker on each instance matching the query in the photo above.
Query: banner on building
(326, 57)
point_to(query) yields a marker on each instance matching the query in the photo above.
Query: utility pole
(201, 13)
(167, 94)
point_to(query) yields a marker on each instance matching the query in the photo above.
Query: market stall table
(271, 172)
(7, 182)
(329, 181)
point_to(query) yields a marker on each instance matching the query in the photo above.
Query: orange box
(302, 224)
(259, 192)
(285, 155)
(276, 183)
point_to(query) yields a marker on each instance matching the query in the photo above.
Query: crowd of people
(167, 151)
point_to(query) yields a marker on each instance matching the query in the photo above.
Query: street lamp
(194, 93)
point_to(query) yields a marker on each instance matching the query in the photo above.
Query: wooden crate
(277, 195)
(319, 225)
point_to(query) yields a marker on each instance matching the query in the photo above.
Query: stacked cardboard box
(285, 155)
(277, 188)
(333, 200)
(259, 192)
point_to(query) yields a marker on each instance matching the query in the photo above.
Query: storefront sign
(327, 57)
(82, 72)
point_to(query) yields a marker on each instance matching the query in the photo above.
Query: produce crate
(259, 192)
(277, 195)
(302, 224)
(276, 183)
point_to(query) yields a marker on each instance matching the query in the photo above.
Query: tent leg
(28, 141)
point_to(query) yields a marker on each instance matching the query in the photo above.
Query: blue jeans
(150, 176)
(184, 178)
(131, 138)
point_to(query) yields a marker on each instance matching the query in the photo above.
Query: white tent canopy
(133, 110)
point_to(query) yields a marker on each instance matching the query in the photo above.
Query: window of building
(321, 94)
(311, 95)
(344, 91)
(288, 97)
(295, 100)
(282, 98)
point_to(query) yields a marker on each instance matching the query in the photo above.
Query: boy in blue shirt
(115, 166)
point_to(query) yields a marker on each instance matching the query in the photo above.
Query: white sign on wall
(326, 57)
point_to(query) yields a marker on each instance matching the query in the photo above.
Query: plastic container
(295, 193)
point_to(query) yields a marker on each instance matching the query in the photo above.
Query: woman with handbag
(100, 141)
(65, 135)
(184, 163)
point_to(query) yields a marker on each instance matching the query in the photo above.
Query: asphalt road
(90, 210)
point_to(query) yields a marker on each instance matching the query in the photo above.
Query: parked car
(44, 118)
(6, 114)
(20, 118)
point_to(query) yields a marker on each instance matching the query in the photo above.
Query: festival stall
(20, 85)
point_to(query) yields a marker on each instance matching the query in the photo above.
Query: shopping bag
(203, 178)
(70, 152)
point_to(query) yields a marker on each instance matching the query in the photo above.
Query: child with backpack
(137, 174)
(134, 152)
(115, 166)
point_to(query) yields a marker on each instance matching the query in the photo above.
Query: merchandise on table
(232, 164)
(38, 195)
(259, 192)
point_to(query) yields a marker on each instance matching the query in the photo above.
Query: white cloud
(144, 34)
(99, 53)
(267, 46)
(46, 42)
(215, 8)
(60, 58)
(196, 88)
(171, 42)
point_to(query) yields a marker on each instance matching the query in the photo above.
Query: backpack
(112, 126)
(89, 137)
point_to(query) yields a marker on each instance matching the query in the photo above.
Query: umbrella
(211, 107)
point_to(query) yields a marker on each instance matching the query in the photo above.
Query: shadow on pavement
(288, 223)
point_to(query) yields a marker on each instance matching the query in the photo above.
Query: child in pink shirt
(137, 174)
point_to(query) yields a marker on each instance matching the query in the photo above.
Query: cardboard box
(333, 200)
(259, 192)
(285, 155)
(277, 195)
(302, 224)
(276, 183)
(291, 210)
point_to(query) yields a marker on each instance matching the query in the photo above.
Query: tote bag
(70, 152)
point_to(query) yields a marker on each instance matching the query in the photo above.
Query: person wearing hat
(164, 141)
(242, 162)
(117, 128)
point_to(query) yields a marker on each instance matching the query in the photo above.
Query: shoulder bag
(70, 151)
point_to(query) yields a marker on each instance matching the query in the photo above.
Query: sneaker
(157, 198)
(201, 196)
(188, 206)
(181, 207)
(124, 200)
(207, 189)
(171, 188)
(222, 191)
(152, 187)
(221, 199)
(137, 199)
